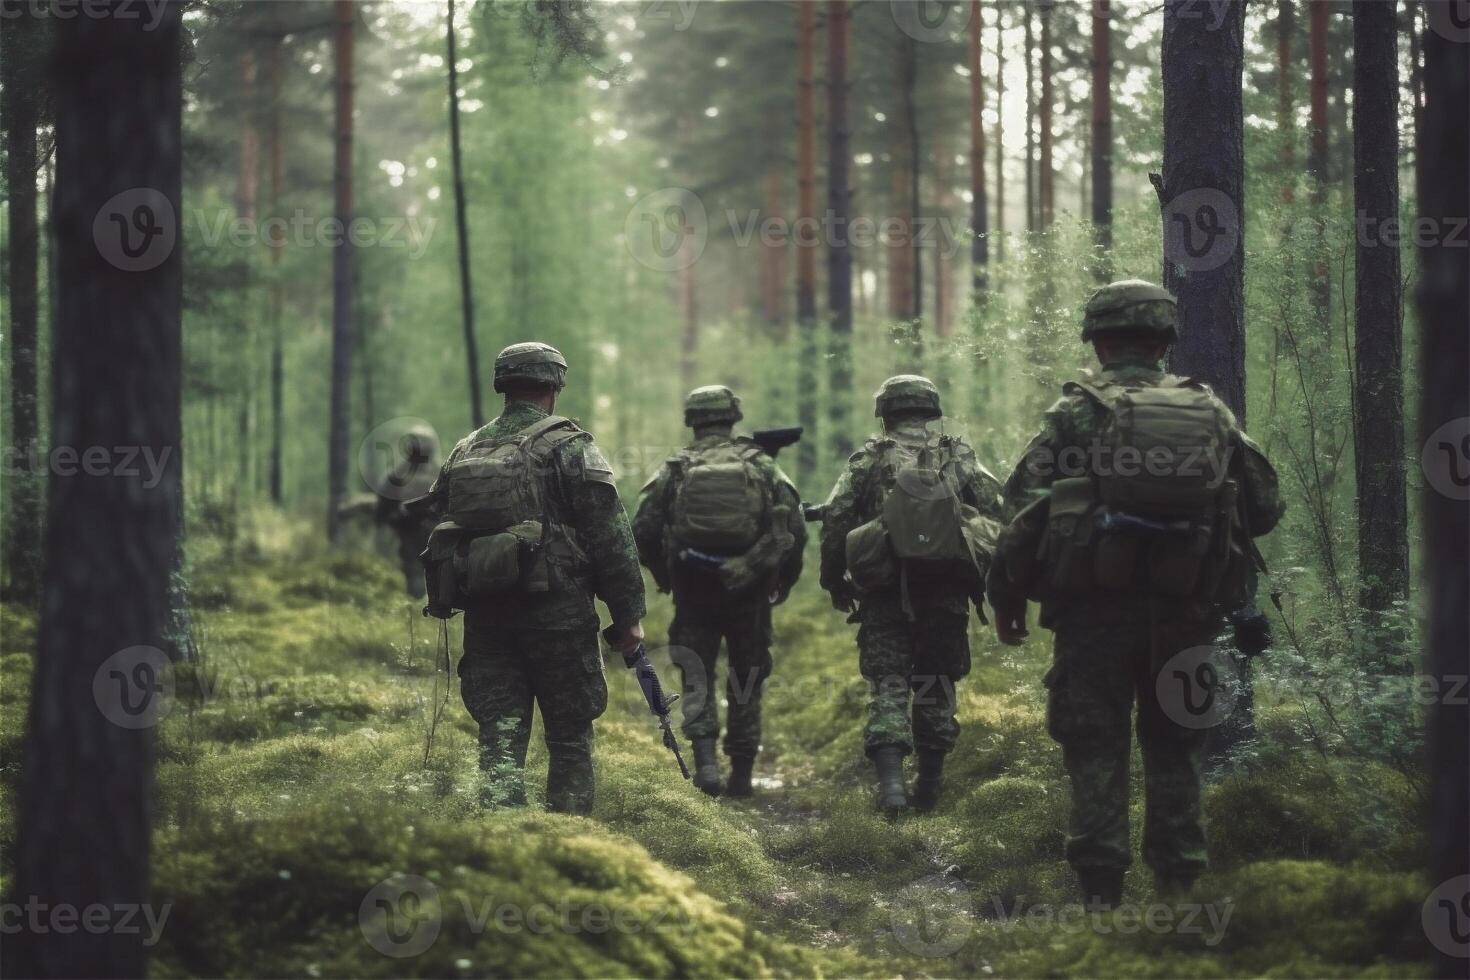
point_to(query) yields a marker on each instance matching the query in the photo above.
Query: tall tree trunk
(342, 271)
(688, 311)
(1000, 113)
(1046, 178)
(980, 247)
(1378, 389)
(1285, 107)
(1444, 405)
(466, 288)
(1317, 164)
(277, 298)
(943, 315)
(807, 241)
(839, 254)
(773, 268)
(246, 199)
(908, 73)
(1102, 136)
(19, 76)
(84, 809)
(1031, 210)
(900, 242)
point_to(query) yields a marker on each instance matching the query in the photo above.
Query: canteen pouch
(1068, 541)
(870, 561)
(440, 582)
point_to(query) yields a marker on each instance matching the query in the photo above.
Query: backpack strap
(1089, 390)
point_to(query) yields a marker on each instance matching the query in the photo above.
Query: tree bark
(907, 172)
(1444, 404)
(84, 809)
(19, 61)
(980, 246)
(1046, 178)
(773, 266)
(461, 224)
(1031, 210)
(839, 254)
(1000, 162)
(1378, 389)
(1285, 108)
(1317, 163)
(807, 241)
(277, 298)
(342, 271)
(1102, 136)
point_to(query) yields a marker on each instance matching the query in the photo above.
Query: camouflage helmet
(1131, 304)
(711, 403)
(906, 392)
(531, 361)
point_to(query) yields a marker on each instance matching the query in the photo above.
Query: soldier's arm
(1260, 490)
(649, 522)
(604, 530)
(981, 489)
(1037, 468)
(841, 519)
(791, 563)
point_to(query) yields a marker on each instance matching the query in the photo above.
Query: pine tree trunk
(461, 224)
(773, 268)
(1285, 107)
(980, 247)
(85, 804)
(688, 311)
(809, 357)
(1378, 389)
(1046, 177)
(943, 315)
(912, 162)
(839, 254)
(342, 271)
(20, 77)
(1031, 210)
(1317, 164)
(246, 199)
(1102, 136)
(1000, 164)
(1444, 404)
(277, 298)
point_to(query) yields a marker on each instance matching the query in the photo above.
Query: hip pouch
(1067, 545)
(871, 563)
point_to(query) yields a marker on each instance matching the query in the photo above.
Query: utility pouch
(1069, 530)
(488, 565)
(870, 560)
(440, 581)
(535, 576)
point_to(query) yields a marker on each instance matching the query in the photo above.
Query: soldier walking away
(906, 537)
(1133, 516)
(533, 529)
(720, 526)
(411, 478)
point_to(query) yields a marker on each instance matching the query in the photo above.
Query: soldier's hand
(842, 602)
(629, 638)
(1010, 629)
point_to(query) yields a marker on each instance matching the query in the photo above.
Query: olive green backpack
(722, 501)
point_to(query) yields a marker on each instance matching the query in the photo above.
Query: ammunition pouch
(871, 563)
(463, 567)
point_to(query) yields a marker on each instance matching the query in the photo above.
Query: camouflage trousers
(914, 665)
(503, 674)
(1098, 671)
(746, 630)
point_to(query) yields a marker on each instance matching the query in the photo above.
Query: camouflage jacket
(1076, 422)
(580, 495)
(857, 498)
(655, 515)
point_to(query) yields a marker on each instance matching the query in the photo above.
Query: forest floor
(309, 826)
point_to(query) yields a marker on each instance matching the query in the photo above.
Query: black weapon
(703, 561)
(1117, 520)
(814, 513)
(772, 441)
(653, 693)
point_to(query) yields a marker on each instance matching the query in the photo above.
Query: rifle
(653, 693)
(772, 441)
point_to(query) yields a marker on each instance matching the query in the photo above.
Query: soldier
(535, 531)
(906, 489)
(410, 478)
(1133, 513)
(720, 525)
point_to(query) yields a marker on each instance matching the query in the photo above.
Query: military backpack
(722, 501)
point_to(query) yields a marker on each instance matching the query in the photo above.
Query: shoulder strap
(1093, 391)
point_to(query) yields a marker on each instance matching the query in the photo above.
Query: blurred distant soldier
(411, 477)
(533, 530)
(906, 537)
(1134, 510)
(720, 525)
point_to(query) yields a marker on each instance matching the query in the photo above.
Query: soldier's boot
(1102, 888)
(892, 797)
(706, 766)
(930, 781)
(740, 767)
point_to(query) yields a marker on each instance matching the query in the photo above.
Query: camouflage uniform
(705, 613)
(917, 660)
(1108, 649)
(411, 478)
(542, 648)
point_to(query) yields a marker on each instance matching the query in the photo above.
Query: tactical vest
(1153, 511)
(722, 501)
(498, 526)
